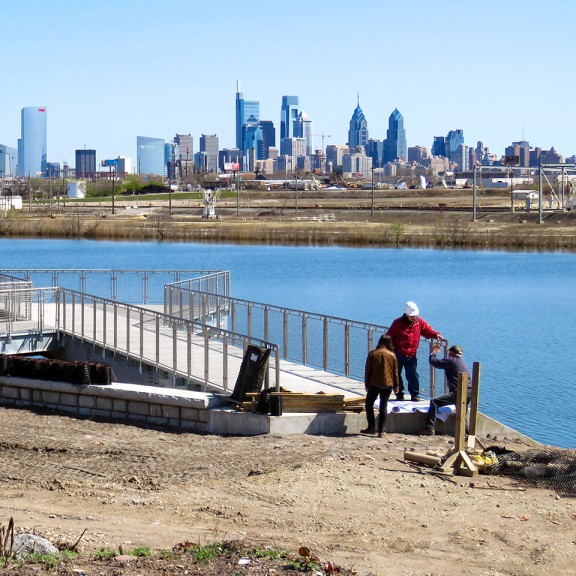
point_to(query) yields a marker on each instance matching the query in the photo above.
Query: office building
(334, 156)
(358, 130)
(124, 166)
(395, 146)
(417, 154)
(521, 150)
(85, 164)
(288, 114)
(303, 129)
(228, 156)
(357, 164)
(293, 147)
(439, 146)
(8, 161)
(374, 149)
(247, 111)
(454, 139)
(150, 156)
(185, 159)
(268, 136)
(33, 141)
(209, 147)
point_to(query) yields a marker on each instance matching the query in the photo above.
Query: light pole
(112, 175)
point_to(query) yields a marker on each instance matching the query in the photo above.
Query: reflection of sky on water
(513, 312)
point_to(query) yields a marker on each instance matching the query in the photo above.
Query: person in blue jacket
(453, 364)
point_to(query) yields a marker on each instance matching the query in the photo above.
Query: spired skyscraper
(32, 143)
(358, 131)
(395, 143)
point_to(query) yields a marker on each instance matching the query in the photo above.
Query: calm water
(513, 312)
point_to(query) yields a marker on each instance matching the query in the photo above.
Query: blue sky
(109, 71)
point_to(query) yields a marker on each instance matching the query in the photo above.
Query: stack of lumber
(300, 402)
(354, 404)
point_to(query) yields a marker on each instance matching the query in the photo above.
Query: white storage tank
(76, 189)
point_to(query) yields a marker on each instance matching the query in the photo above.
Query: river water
(514, 312)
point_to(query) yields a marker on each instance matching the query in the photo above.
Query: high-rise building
(32, 144)
(150, 156)
(453, 141)
(294, 147)
(358, 131)
(417, 154)
(247, 111)
(374, 149)
(395, 144)
(303, 129)
(185, 160)
(357, 163)
(209, 147)
(288, 114)
(85, 165)
(439, 146)
(520, 149)
(268, 136)
(8, 161)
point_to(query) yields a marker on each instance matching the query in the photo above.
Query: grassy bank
(350, 228)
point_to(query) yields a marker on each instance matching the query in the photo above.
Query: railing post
(157, 331)
(127, 331)
(104, 328)
(249, 319)
(347, 349)
(325, 344)
(285, 335)
(304, 339)
(225, 362)
(265, 322)
(174, 353)
(206, 333)
(189, 349)
(141, 338)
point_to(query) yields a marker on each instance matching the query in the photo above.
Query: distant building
(8, 161)
(150, 156)
(124, 166)
(303, 129)
(357, 164)
(294, 147)
(334, 156)
(209, 146)
(268, 136)
(439, 146)
(85, 165)
(374, 149)
(395, 144)
(185, 159)
(228, 156)
(288, 113)
(32, 144)
(358, 130)
(521, 150)
(454, 139)
(417, 154)
(246, 111)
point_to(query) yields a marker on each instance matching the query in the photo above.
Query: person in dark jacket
(453, 364)
(405, 333)
(380, 378)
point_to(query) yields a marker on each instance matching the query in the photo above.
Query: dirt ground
(352, 500)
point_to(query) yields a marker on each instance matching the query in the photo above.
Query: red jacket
(406, 335)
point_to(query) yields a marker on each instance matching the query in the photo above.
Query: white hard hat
(411, 309)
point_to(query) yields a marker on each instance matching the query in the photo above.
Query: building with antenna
(358, 131)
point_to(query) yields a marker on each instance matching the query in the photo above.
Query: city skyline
(503, 78)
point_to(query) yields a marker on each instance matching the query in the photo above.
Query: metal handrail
(334, 344)
(121, 328)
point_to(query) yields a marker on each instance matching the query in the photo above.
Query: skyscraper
(150, 156)
(454, 139)
(288, 114)
(32, 143)
(209, 147)
(247, 111)
(303, 129)
(395, 144)
(268, 136)
(358, 131)
(8, 161)
(85, 164)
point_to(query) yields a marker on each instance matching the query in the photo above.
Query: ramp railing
(185, 348)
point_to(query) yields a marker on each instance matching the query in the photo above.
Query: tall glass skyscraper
(246, 111)
(358, 131)
(85, 164)
(150, 156)
(8, 161)
(454, 139)
(32, 143)
(395, 144)
(303, 129)
(288, 114)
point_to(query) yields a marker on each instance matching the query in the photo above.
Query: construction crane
(323, 136)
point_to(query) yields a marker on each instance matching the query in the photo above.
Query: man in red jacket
(405, 333)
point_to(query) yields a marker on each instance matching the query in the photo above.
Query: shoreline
(389, 228)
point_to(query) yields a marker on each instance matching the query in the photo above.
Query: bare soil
(352, 500)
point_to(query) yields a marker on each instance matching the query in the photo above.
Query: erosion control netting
(551, 468)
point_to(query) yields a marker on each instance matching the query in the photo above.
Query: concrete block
(106, 414)
(133, 417)
(26, 394)
(36, 396)
(86, 412)
(189, 414)
(120, 405)
(138, 408)
(51, 397)
(105, 404)
(10, 392)
(86, 401)
(69, 399)
(174, 422)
